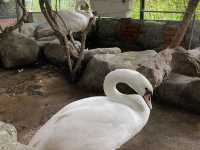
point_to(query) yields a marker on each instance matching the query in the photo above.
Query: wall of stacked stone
(131, 34)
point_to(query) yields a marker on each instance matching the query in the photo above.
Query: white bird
(102, 122)
(77, 20)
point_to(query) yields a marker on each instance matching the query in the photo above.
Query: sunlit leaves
(161, 5)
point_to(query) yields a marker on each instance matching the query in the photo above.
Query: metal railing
(142, 12)
(169, 12)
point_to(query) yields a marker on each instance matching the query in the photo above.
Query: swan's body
(76, 21)
(98, 123)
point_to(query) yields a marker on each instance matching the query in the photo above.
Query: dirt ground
(29, 97)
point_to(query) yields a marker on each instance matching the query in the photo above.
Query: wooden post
(190, 10)
(19, 14)
(23, 2)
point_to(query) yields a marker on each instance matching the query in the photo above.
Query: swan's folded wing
(74, 21)
(86, 125)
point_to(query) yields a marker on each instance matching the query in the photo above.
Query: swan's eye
(148, 94)
(147, 91)
(125, 89)
(147, 97)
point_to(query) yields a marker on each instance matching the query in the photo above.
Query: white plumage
(99, 123)
(76, 21)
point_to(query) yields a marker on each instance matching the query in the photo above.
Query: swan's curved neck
(134, 101)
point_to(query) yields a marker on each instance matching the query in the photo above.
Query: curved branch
(59, 26)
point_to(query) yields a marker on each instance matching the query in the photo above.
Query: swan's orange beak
(147, 99)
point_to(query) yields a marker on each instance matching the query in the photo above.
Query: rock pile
(8, 138)
(18, 50)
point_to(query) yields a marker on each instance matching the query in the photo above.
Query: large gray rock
(18, 50)
(182, 85)
(55, 53)
(180, 90)
(8, 138)
(28, 29)
(149, 63)
(45, 42)
(43, 30)
(92, 52)
(155, 66)
(186, 62)
(8, 133)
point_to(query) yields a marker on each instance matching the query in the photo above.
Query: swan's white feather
(98, 123)
(88, 124)
(75, 21)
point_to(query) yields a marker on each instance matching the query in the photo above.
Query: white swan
(99, 123)
(78, 20)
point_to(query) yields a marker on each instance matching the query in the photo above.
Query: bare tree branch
(62, 32)
(84, 35)
(50, 16)
(1, 29)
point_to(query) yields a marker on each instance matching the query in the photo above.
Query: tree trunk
(192, 5)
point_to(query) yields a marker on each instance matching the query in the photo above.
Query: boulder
(8, 133)
(186, 62)
(17, 50)
(55, 53)
(45, 42)
(8, 138)
(155, 66)
(28, 29)
(180, 90)
(43, 30)
(92, 52)
(149, 63)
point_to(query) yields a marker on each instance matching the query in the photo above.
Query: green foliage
(157, 5)
(161, 5)
(33, 5)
